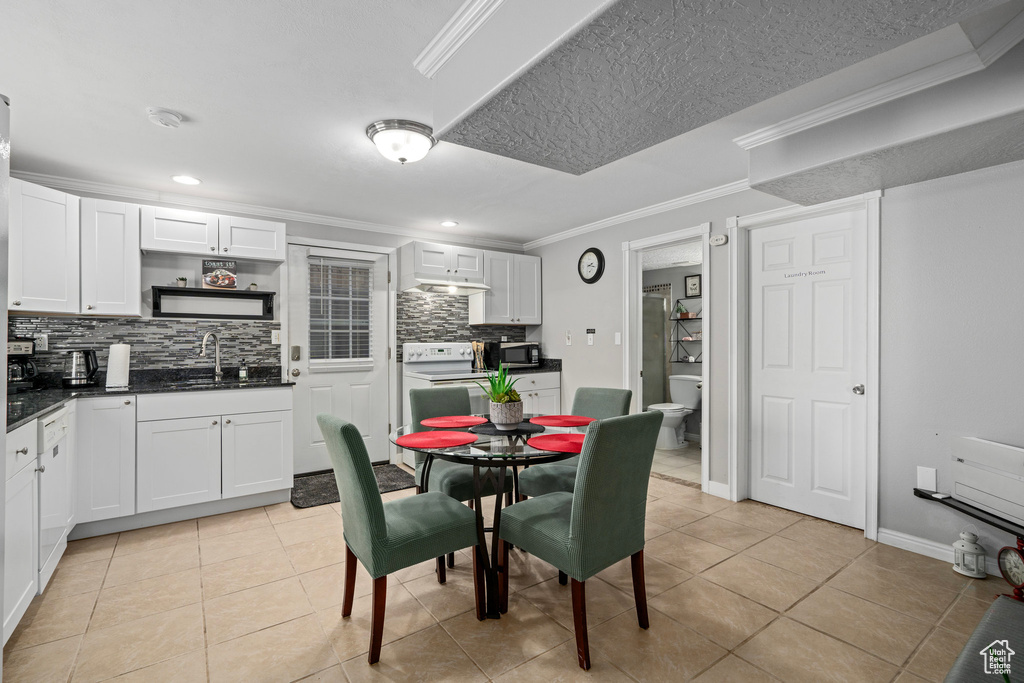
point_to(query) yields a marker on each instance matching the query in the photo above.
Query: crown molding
(121, 192)
(922, 79)
(679, 202)
(460, 28)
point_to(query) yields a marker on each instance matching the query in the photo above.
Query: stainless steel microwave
(512, 354)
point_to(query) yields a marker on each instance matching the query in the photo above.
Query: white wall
(952, 331)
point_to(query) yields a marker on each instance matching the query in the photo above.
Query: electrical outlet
(618, 339)
(42, 342)
(504, 338)
(568, 338)
(275, 336)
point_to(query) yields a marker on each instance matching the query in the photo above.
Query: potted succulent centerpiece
(182, 281)
(506, 406)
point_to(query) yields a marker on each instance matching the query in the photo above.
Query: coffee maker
(21, 371)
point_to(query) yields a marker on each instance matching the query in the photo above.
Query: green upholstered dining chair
(601, 522)
(388, 536)
(452, 479)
(596, 402)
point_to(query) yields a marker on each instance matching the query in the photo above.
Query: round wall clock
(1011, 565)
(591, 265)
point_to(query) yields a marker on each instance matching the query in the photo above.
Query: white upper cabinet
(515, 294)
(467, 264)
(111, 261)
(429, 261)
(43, 257)
(178, 231)
(527, 289)
(252, 239)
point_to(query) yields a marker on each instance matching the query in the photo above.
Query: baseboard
(923, 546)
(695, 438)
(716, 488)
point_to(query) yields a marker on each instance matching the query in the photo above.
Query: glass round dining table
(490, 456)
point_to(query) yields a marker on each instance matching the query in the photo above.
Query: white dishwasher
(54, 485)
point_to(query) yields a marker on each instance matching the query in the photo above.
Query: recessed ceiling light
(449, 224)
(185, 179)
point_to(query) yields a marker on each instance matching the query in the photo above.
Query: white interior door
(808, 358)
(338, 344)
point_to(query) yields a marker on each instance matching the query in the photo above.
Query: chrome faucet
(217, 374)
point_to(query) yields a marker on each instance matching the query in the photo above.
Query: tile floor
(737, 592)
(682, 463)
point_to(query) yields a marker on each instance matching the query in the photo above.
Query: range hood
(432, 286)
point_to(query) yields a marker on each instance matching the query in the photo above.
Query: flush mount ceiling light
(400, 140)
(164, 117)
(185, 179)
(449, 224)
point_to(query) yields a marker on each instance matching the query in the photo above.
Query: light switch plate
(618, 338)
(275, 336)
(568, 338)
(42, 342)
(927, 479)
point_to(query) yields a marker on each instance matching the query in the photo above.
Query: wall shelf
(195, 302)
(680, 329)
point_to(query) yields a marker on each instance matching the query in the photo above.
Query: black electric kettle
(80, 368)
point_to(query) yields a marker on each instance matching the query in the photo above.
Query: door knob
(295, 372)
(859, 390)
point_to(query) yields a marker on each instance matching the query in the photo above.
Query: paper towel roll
(117, 365)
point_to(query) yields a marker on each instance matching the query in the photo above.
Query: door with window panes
(337, 348)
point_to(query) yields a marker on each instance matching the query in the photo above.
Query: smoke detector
(164, 117)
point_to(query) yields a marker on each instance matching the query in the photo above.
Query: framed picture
(220, 274)
(691, 283)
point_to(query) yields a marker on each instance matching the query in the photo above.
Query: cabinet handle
(15, 303)
(41, 468)
(225, 249)
(214, 422)
(227, 422)
(23, 451)
(127, 403)
(88, 307)
(213, 248)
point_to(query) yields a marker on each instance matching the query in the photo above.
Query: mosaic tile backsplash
(440, 317)
(157, 343)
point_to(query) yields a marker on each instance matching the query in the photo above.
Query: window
(339, 312)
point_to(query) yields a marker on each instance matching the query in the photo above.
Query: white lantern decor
(969, 556)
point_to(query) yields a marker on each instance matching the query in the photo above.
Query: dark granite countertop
(546, 365)
(26, 406)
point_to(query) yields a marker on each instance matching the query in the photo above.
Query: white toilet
(685, 393)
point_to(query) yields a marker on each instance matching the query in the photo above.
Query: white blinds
(339, 309)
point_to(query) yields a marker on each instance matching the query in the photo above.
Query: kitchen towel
(117, 366)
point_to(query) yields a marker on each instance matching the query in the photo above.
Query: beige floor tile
(249, 571)
(350, 636)
(188, 668)
(732, 669)
(834, 538)
(51, 661)
(237, 614)
(724, 533)
(986, 589)
(331, 675)
(233, 522)
(907, 677)
(901, 592)
(794, 652)
(669, 514)
(131, 601)
(403, 660)
(151, 563)
(935, 573)
(668, 490)
(805, 560)
(463, 560)
(714, 612)
(702, 502)
(89, 550)
(325, 587)
(284, 652)
(239, 544)
(525, 570)
(764, 583)
(523, 633)
(603, 601)
(319, 552)
(653, 530)
(126, 647)
(153, 537)
(667, 651)
(937, 654)
(965, 614)
(686, 552)
(658, 576)
(760, 516)
(560, 665)
(309, 528)
(286, 512)
(883, 632)
(446, 600)
(85, 577)
(49, 618)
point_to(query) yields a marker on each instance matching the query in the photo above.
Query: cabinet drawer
(538, 380)
(21, 448)
(203, 403)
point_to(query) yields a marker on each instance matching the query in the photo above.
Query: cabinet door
(111, 261)
(527, 308)
(20, 547)
(252, 239)
(177, 231)
(43, 256)
(498, 301)
(547, 401)
(178, 462)
(432, 260)
(467, 264)
(105, 456)
(257, 453)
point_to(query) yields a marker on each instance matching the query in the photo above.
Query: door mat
(310, 490)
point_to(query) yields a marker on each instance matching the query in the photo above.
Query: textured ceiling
(688, 253)
(649, 70)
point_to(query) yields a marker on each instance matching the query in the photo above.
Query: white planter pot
(506, 416)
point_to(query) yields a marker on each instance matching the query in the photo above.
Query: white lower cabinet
(105, 457)
(256, 453)
(544, 402)
(178, 462)
(21, 543)
(541, 393)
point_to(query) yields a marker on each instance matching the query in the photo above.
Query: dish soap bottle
(243, 372)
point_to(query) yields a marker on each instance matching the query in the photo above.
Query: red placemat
(435, 439)
(453, 421)
(561, 443)
(561, 420)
